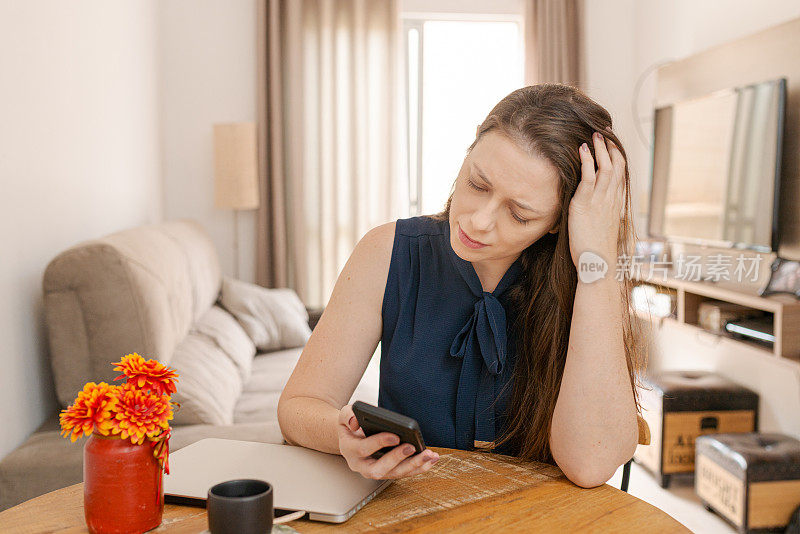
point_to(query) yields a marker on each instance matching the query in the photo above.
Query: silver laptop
(302, 479)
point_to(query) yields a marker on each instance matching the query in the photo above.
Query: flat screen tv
(716, 168)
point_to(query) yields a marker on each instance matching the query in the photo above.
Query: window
(458, 66)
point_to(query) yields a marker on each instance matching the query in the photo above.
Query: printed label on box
(682, 428)
(720, 489)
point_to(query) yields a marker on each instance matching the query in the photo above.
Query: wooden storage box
(679, 406)
(752, 480)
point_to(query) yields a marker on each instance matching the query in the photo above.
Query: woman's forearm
(309, 422)
(594, 428)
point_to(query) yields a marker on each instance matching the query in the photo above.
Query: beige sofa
(158, 290)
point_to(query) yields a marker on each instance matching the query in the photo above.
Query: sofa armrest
(313, 316)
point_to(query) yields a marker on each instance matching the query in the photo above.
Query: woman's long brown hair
(552, 121)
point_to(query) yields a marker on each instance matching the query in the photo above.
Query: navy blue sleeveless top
(447, 348)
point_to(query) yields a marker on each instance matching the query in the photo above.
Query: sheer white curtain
(330, 117)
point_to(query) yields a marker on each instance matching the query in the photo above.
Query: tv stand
(785, 310)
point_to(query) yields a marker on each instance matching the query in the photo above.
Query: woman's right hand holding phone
(357, 448)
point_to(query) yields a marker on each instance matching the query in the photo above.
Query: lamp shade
(235, 166)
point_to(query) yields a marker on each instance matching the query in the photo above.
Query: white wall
(208, 62)
(626, 39)
(79, 158)
(609, 46)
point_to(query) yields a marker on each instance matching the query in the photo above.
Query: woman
(490, 338)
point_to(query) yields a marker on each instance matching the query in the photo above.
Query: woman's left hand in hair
(594, 212)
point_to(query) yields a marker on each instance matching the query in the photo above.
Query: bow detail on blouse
(487, 324)
(481, 345)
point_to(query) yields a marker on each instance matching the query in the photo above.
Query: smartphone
(374, 420)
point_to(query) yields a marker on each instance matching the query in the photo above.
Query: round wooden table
(466, 491)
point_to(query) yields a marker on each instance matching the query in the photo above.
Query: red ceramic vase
(122, 491)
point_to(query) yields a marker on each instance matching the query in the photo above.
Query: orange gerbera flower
(149, 374)
(140, 414)
(92, 410)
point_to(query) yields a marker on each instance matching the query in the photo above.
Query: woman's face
(504, 198)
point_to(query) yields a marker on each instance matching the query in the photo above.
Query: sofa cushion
(271, 371)
(44, 462)
(259, 399)
(226, 332)
(273, 318)
(202, 263)
(209, 380)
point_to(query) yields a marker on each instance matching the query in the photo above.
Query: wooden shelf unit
(785, 309)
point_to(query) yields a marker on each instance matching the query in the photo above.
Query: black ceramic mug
(240, 506)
